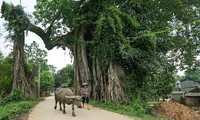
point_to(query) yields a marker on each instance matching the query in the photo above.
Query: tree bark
(107, 85)
(19, 79)
(81, 68)
(115, 84)
(100, 81)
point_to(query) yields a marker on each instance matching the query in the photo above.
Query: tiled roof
(189, 83)
(192, 94)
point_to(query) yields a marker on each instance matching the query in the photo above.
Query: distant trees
(65, 77)
(192, 74)
(46, 81)
(6, 76)
(33, 57)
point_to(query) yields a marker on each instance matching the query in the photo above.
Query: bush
(15, 104)
(15, 108)
(16, 96)
(138, 107)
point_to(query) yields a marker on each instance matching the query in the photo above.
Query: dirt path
(44, 111)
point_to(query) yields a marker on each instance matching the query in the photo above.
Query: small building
(188, 94)
(177, 96)
(192, 98)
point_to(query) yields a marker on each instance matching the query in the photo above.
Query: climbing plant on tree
(112, 39)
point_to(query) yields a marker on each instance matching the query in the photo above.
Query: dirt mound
(176, 111)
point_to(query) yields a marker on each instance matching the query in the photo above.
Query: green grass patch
(12, 109)
(153, 102)
(134, 111)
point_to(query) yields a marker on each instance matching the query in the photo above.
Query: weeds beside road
(12, 109)
(15, 105)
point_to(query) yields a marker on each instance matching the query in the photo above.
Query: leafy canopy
(148, 38)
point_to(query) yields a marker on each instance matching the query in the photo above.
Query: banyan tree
(113, 43)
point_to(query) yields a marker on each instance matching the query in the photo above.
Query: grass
(12, 109)
(127, 110)
(153, 102)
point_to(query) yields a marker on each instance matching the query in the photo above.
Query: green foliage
(129, 87)
(136, 109)
(5, 77)
(15, 96)
(193, 74)
(115, 41)
(157, 85)
(114, 21)
(138, 106)
(1, 56)
(18, 20)
(46, 81)
(34, 54)
(164, 86)
(122, 109)
(5, 74)
(10, 110)
(63, 13)
(65, 77)
(34, 57)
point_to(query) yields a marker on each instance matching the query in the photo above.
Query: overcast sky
(57, 57)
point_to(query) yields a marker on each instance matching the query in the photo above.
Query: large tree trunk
(104, 84)
(99, 81)
(107, 85)
(81, 68)
(19, 79)
(115, 84)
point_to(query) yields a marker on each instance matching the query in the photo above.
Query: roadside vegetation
(15, 105)
(13, 102)
(136, 109)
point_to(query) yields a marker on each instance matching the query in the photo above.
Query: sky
(56, 57)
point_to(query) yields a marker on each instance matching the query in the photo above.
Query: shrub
(15, 108)
(16, 96)
(138, 107)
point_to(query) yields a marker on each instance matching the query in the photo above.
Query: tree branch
(49, 42)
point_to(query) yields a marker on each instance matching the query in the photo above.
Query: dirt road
(45, 111)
